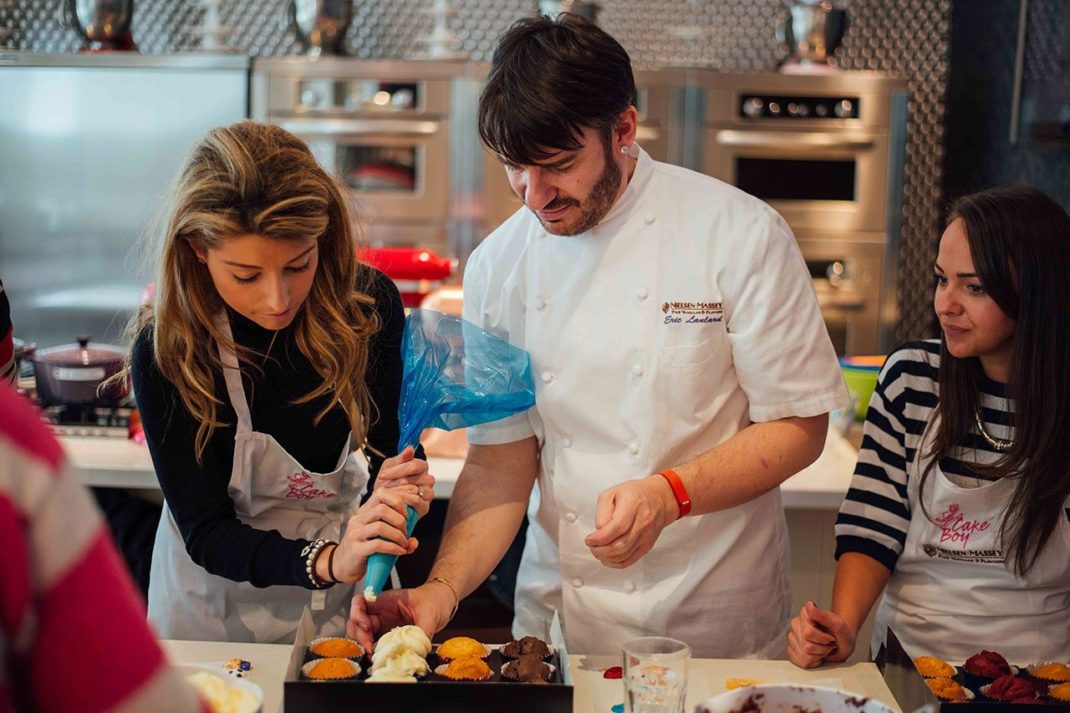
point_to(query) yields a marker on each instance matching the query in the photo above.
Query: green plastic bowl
(860, 373)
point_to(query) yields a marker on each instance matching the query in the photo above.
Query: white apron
(952, 593)
(271, 491)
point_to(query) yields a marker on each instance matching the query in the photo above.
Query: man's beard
(592, 210)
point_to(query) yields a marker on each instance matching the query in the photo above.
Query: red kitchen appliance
(416, 271)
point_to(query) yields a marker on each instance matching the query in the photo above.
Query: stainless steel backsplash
(906, 37)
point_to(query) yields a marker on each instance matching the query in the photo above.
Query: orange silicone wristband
(683, 500)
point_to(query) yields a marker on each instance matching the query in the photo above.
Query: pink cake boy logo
(302, 488)
(955, 528)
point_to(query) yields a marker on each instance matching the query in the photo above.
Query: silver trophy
(809, 33)
(321, 24)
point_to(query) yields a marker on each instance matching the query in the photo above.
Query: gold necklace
(997, 443)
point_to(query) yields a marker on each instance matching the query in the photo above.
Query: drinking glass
(655, 674)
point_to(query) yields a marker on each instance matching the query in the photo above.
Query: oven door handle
(360, 127)
(790, 141)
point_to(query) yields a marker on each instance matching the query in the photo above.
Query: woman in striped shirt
(959, 508)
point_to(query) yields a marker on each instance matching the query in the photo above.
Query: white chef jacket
(683, 316)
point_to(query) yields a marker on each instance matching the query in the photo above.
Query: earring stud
(624, 149)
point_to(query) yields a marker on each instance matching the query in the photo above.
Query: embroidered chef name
(301, 487)
(692, 312)
(956, 527)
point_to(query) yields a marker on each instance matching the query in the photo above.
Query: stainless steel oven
(826, 152)
(384, 128)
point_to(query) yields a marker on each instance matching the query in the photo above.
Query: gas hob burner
(89, 420)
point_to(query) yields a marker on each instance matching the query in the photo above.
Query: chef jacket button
(648, 218)
(629, 586)
(637, 369)
(540, 305)
(577, 582)
(633, 448)
(570, 516)
(547, 377)
(566, 443)
(642, 293)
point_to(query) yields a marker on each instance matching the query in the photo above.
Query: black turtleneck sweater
(197, 493)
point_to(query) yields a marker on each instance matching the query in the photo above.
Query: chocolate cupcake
(1009, 688)
(525, 646)
(528, 668)
(985, 667)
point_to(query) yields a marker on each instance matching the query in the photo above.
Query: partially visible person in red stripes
(73, 634)
(8, 373)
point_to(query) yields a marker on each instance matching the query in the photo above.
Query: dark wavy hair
(550, 79)
(1019, 240)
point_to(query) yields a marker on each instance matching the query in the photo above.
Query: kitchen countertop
(706, 676)
(119, 463)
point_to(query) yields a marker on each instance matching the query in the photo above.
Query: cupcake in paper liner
(528, 668)
(1059, 693)
(1009, 688)
(932, 667)
(948, 690)
(469, 668)
(985, 667)
(335, 669)
(335, 647)
(1050, 673)
(460, 647)
(527, 646)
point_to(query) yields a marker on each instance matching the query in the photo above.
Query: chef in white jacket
(682, 372)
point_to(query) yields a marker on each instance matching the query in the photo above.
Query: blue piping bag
(455, 375)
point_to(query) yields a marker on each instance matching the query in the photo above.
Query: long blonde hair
(258, 179)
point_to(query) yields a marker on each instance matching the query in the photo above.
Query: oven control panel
(766, 106)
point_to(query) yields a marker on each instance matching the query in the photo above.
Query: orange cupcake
(335, 669)
(336, 648)
(468, 668)
(1060, 693)
(932, 667)
(462, 647)
(947, 690)
(1050, 672)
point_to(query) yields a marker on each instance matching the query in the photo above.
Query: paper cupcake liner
(949, 674)
(307, 668)
(1059, 693)
(553, 670)
(315, 642)
(440, 671)
(1031, 670)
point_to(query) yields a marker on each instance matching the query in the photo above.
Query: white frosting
(400, 655)
(409, 637)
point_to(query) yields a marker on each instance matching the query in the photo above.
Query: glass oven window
(794, 179)
(379, 169)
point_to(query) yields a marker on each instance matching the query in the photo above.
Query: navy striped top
(875, 513)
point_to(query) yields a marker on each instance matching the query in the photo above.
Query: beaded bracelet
(310, 552)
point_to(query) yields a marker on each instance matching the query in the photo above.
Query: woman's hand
(378, 526)
(404, 472)
(818, 636)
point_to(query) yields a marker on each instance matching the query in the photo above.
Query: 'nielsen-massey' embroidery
(692, 312)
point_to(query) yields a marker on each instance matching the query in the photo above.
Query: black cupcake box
(432, 692)
(910, 690)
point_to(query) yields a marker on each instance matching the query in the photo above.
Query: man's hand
(818, 636)
(428, 607)
(629, 519)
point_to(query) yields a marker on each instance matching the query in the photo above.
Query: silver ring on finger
(420, 492)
